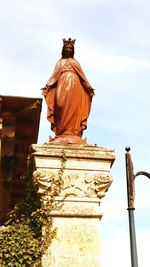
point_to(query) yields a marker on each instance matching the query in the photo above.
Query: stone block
(83, 172)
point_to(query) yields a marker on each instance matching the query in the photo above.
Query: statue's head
(68, 48)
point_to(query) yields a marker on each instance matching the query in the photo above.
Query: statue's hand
(91, 92)
(44, 91)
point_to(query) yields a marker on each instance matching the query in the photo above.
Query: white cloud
(116, 251)
(103, 60)
(143, 248)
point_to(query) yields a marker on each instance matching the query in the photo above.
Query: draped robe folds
(68, 97)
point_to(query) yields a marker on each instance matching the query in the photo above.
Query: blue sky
(113, 48)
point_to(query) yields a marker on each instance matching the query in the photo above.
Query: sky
(113, 48)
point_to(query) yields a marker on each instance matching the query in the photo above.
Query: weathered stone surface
(77, 243)
(84, 172)
(74, 151)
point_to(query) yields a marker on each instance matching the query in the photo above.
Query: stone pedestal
(85, 172)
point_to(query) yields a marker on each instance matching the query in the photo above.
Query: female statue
(68, 95)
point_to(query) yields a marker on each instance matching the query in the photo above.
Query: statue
(68, 96)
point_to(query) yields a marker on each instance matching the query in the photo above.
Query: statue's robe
(68, 98)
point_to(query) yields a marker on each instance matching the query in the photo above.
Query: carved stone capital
(72, 184)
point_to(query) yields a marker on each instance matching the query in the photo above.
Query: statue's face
(68, 49)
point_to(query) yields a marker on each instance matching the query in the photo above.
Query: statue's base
(86, 177)
(68, 139)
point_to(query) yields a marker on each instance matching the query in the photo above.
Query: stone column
(85, 171)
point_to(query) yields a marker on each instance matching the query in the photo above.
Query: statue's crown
(69, 41)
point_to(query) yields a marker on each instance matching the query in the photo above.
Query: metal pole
(130, 196)
(133, 247)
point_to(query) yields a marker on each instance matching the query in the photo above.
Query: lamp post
(130, 195)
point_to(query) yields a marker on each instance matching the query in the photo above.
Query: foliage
(22, 241)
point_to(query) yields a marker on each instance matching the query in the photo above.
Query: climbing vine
(22, 242)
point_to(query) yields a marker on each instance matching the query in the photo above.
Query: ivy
(22, 239)
(22, 242)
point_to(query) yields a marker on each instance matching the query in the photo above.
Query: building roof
(19, 127)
